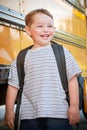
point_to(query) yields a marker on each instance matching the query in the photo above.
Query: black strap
(60, 59)
(21, 74)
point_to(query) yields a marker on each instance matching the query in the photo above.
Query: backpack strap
(60, 59)
(20, 65)
(21, 74)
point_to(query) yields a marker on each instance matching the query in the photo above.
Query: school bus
(70, 19)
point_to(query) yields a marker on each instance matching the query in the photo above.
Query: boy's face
(41, 29)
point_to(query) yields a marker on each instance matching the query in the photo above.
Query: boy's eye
(50, 26)
(39, 26)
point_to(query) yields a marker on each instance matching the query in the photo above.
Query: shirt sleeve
(72, 67)
(13, 76)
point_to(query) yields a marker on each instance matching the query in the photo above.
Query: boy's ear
(27, 30)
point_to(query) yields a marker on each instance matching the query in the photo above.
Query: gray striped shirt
(43, 94)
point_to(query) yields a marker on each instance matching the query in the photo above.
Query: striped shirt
(43, 94)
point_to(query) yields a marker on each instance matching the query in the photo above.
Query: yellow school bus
(70, 19)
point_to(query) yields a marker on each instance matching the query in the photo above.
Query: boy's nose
(46, 29)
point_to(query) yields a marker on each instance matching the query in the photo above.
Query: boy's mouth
(45, 35)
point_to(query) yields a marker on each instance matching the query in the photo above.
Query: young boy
(44, 105)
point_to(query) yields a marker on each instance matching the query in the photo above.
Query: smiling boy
(44, 105)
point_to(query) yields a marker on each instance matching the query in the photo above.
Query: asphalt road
(82, 125)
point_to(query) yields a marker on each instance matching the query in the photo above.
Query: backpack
(60, 59)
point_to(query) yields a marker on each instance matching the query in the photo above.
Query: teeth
(44, 35)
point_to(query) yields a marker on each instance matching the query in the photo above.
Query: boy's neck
(38, 47)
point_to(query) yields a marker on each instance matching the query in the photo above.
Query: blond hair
(29, 16)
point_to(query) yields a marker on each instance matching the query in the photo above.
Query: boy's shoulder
(64, 48)
(23, 51)
(27, 48)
